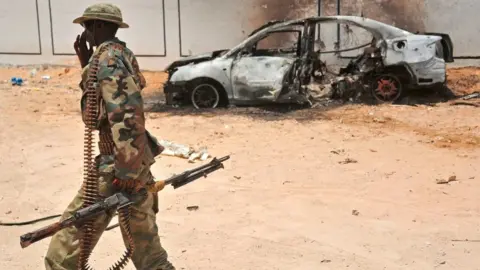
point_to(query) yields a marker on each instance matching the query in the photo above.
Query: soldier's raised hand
(83, 52)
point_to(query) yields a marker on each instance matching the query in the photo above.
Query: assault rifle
(118, 201)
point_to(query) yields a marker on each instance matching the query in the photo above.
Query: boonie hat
(102, 12)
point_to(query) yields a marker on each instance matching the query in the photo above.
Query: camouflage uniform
(120, 83)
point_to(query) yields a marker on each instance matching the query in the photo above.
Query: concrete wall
(41, 31)
(460, 19)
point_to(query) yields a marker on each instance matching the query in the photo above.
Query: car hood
(195, 59)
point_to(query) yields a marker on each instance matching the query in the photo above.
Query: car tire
(386, 88)
(205, 95)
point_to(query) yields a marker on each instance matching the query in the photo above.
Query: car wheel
(386, 88)
(205, 95)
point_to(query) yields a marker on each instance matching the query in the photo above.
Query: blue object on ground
(16, 81)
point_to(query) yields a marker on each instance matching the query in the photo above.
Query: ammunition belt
(106, 144)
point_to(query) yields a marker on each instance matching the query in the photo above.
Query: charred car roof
(381, 30)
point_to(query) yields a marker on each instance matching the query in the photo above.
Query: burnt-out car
(262, 70)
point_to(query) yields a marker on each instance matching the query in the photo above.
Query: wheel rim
(205, 96)
(387, 88)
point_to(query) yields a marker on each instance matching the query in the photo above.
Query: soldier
(122, 118)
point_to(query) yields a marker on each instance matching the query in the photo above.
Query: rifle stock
(47, 231)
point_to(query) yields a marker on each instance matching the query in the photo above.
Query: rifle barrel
(214, 162)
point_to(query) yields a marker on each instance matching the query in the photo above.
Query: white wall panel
(19, 27)
(458, 18)
(146, 35)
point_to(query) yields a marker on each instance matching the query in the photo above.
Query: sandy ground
(285, 200)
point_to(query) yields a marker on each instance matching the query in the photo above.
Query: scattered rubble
(183, 151)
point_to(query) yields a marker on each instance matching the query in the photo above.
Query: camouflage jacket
(120, 83)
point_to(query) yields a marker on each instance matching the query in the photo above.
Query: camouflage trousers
(149, 254)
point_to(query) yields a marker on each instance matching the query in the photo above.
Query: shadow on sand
(276, 112)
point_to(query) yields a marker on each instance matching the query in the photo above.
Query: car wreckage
(249, 74)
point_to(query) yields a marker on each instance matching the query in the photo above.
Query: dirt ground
(347, 187)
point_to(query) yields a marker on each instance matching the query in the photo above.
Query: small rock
(8, 212)
(373, 151)
(183, 251)
(237, 177)
(355, 212)
(442, 181)
(192, 208)
(325, 261)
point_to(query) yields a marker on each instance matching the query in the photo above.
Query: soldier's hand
(83, 52)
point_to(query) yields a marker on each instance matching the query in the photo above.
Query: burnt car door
(259, 70)
(446, 48)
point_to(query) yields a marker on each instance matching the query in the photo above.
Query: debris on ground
(471, 96)
(347, 161)
(446, 181)
(464, 103)
(184, 151)
(355, 212)
(192, 208)
(17, 81)
(337, 152)
(464, 240)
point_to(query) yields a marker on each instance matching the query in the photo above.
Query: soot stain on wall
(405, 14)
(269, 10)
